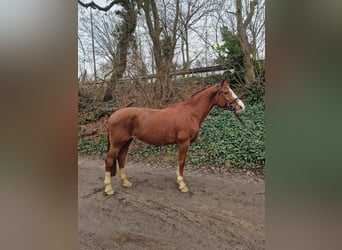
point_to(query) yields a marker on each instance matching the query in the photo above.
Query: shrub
(223, 139)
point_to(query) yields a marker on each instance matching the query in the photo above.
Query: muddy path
(221, 211)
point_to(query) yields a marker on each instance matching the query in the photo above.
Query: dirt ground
(222, 210)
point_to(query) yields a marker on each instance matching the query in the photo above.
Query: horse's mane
(190, 98)
(201, 90)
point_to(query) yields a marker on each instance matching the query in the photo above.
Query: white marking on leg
(108, 187)
(125, 182)
(122, 174)
(181, 183)
(179, 178)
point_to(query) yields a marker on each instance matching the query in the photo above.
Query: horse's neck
(201, 104)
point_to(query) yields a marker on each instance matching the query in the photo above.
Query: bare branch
(251, 13)
(95, 6)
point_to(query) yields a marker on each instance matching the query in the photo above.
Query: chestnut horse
(177, 124)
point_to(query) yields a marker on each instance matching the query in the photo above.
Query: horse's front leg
(183, 148)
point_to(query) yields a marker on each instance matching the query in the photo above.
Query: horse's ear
(224, 82)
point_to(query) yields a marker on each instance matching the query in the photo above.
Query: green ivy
(223, 139)
(92, 146)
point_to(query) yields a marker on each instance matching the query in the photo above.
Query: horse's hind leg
(110, 162)
(183, 148)
(122, 159)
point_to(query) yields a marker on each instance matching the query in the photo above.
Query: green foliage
(222, 140)
(260, 70)
(190, 77)
(166, 47)
(230, 55)
(256, 94)
(92, 146)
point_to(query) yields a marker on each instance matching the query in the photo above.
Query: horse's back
(127, 113)
(132, 117)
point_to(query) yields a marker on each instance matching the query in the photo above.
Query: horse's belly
(156, 141)
(156, 138)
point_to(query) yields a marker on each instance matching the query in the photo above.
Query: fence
(209, 69)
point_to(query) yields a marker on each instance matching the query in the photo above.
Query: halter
(229, 103)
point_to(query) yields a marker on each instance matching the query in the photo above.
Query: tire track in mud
(219, 212)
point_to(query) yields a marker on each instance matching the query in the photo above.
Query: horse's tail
(113, 167)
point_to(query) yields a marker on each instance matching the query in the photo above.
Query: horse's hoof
(109, 192)
(184, 189)
(126, 183)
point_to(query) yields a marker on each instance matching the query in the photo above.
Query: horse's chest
(193, 135)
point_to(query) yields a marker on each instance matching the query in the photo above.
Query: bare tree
(84, 42)
(200, 30)
(125, 33)
(242, 24)
(170, 32)
(125, 36)
(191, 12)
(135, 62)
(163, 33)
(256, 29)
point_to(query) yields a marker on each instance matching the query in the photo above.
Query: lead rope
(244, 125)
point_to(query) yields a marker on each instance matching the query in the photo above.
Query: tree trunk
(162, 88)
(129, 23)
(163, 51)
(187, 65)
(249, 74)
(117, 74)
(108, 96)
(248, 66)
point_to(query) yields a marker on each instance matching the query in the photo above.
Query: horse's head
(227, 98)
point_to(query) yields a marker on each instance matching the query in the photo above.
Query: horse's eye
(226, 93)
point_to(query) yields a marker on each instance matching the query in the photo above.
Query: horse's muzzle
(239, 107)
(236, 105)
